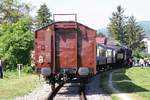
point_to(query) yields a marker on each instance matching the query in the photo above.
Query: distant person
(141, 62)
(1, 69)
(130, 62)
(146, 61)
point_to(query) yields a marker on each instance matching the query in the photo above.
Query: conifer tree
(116, 27)
(134, 35)
(43, 17)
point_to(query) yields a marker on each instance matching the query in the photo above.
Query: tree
(134, 35)
(16, 43)
(116, 27)
(43, 17)
(16, 38)
(12, 10)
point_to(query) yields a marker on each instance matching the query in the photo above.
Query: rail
(82, 94)
(53, 93)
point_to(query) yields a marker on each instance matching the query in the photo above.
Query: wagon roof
(63, 22)
(114, 47)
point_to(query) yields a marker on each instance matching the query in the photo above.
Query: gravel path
(123, 96)
(93, 90)
(39, 93)
(68, 92)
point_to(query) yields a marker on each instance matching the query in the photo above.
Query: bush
(11, 74)
(27, 69)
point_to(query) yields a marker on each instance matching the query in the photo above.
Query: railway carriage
(65, 51)
(111, 56)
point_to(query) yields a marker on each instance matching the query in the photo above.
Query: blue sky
(95, 13)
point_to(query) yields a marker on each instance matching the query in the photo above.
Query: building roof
(101, 40)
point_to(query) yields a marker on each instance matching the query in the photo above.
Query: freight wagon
(65, 51)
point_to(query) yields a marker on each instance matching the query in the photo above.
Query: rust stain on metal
(66, 44)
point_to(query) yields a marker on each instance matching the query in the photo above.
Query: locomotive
(66, 51)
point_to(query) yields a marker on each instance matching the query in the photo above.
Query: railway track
(53, 93)
(82, 93)
(75, 91)
(68, 92)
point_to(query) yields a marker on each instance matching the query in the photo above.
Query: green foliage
(12, 10)
(142, 55)
(16, 41)
(43, 17)
(139, 55)
(134, 35)
(27, 69)
(15, 33)
(128, 33)
(116, 27)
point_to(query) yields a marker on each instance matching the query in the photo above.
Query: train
(67, 51)
(112, 56)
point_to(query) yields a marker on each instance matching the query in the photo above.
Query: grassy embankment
(12, 86)
(135, 82)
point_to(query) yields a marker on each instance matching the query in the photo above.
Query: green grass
(104, 77)
(133, 81)
(12, 86)
(103, 82)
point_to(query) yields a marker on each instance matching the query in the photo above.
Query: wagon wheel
(53, 87)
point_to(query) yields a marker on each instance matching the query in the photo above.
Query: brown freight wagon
(65, 50)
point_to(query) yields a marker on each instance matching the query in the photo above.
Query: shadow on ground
(124, 83)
